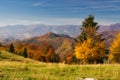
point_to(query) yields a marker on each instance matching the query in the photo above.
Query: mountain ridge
(63, 45)
(21, 32)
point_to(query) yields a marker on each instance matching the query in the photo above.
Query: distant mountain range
(22, 32)
(28, 31)
(112, 27)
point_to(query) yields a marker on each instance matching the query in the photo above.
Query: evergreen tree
(90, 47)
(89, 30)
(11, 48)
(25, 53)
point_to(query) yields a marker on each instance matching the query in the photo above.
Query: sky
(58, 12)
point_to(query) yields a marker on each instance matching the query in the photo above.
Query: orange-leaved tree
(114, 55)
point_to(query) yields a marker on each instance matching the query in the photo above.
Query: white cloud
(19, 21)
(96, 8)
(49, 21)
(25, 21)
(55, 21)
(39, 3)
(115, 1)
(66, 21)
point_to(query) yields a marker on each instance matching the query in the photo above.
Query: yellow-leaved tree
(114, 55)
(88, 52)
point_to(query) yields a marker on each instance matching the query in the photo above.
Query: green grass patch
(27, 69)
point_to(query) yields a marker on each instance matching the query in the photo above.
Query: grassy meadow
(13, 67)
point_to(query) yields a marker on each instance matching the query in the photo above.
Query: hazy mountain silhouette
(8, 33)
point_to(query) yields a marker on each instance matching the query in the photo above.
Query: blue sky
(61, 12)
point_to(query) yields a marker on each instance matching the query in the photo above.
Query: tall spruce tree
(11, 48)
(89, 30)
(25, 53)
(90, 47)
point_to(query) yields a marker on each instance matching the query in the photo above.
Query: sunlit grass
(27, 69)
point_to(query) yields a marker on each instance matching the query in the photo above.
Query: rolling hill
(14, 67)
(10, 57)
(63, 44)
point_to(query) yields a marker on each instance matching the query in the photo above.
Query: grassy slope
(13, 67)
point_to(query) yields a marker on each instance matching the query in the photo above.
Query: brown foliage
(42, 52)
